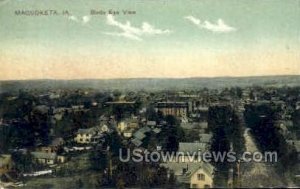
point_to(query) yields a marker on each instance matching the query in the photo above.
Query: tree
(114, 142)
(24, 162)
(173, 134)
(151, 114)
(172, 180)
(120, 183)
(161, 177)
(79, 184)
(20, 135)
(95, 180)
(99, 160)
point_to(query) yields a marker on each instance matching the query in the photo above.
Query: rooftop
(190, 168)
(43, 155)
(191, 147)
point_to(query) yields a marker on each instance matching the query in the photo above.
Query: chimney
(185, 170)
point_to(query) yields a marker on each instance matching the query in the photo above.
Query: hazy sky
(170, 38)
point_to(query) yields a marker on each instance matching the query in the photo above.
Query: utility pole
(239, 183)
(109, 164)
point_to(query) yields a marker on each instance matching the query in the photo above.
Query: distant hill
(152, 83)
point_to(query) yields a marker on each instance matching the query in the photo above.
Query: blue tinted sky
(193, 38)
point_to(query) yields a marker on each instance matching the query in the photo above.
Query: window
(194, 186)
(201, 176)
(80, 140)
(206, 186)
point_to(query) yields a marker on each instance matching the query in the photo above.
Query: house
(128, 132)
(192, 175)
(205, 138)
(122, 126)
(156, 130)
(46, 149)
(45, 158)
(189, 125)
(133, 123)
(151, 123)
(104, 129)
(6, 163)
(87, 136)
(43, 109)
(128, 124)
(55, 145)
(144, 129)
(57, 142)
(201, 112)
(189, 151)
(136, 142)
(139, 136)
(61, 159)
(191, 147)
(77, 107)
(178, 109)
(203, 125)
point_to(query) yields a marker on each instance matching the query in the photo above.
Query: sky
(159, 39)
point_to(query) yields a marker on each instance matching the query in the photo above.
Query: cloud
(219, 27)
(131, 32)
(124, 34)
(82, 20)
(86, 19)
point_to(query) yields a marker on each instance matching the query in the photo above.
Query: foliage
(172, 133)
(98, 159)
(24, 162)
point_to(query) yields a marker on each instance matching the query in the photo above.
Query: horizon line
(143, 78)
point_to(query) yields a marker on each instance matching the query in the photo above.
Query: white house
(192, 175)
(87, 136)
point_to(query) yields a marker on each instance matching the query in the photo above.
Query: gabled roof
(57, 141)
(136, 142)
(203, 124)
(151, 123)
(42, 109)
(144, 129)
(91, 130)
(156, 130)
(43, 155)
(190, 169)
(85, 131)
(191, 147)
(205, 138)
(139, 135)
